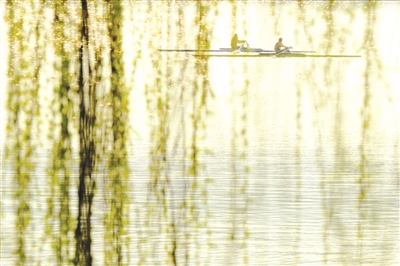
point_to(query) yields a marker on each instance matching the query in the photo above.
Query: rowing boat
(227, 50)
(264, 54)
(252, 52)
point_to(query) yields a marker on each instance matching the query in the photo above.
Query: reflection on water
(118, 154)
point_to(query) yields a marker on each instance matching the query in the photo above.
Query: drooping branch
(116, 186)
(87, 151)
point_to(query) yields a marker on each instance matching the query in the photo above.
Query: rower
(279, 47)
(235, 41)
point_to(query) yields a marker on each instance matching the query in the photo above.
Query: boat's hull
(281, 55)
(228, 50)
(251, 52)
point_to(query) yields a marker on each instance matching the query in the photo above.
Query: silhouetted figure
(279, 46)
(235, 42)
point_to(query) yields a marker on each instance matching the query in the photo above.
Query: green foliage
(22, 104)
(59, 172)
(116, 186)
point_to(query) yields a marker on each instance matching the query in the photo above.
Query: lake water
(296, 159)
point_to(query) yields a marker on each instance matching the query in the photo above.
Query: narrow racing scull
(253, 52)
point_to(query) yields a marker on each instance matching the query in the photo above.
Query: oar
(238, 50)
(283, 50)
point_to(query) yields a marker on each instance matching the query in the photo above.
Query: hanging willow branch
(59, 172)
(87, 152)
(117, 218)
(23, 109)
